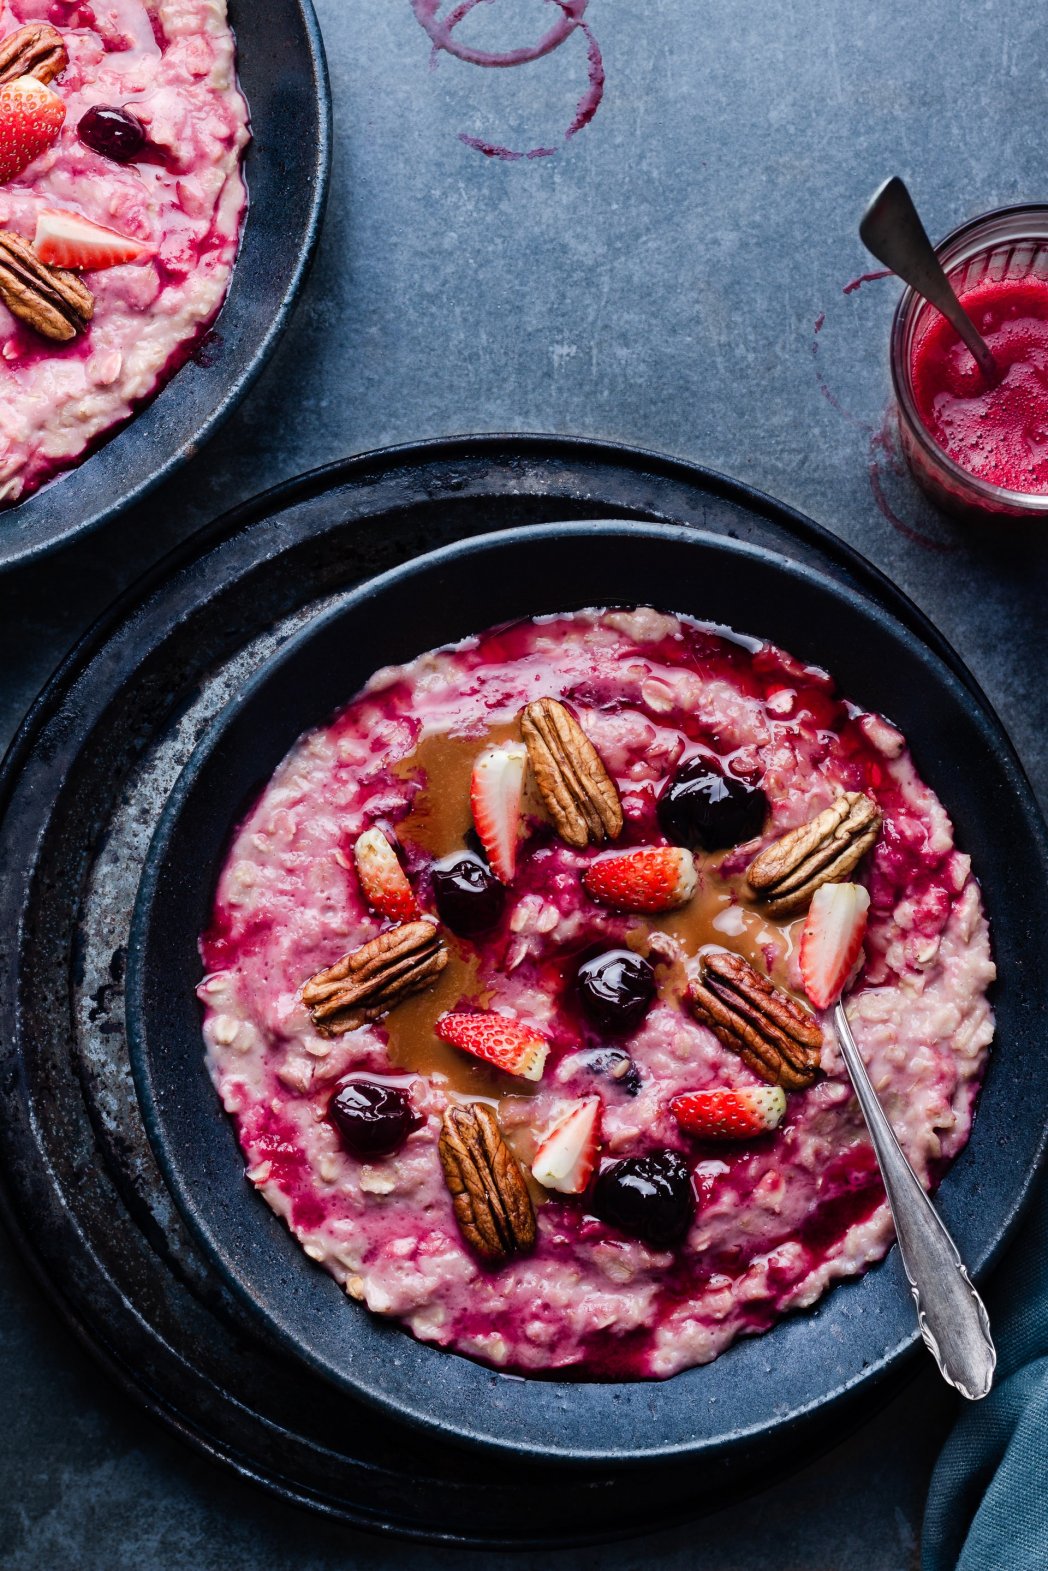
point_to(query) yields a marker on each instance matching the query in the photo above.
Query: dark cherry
(649, 1197)
(468, 895)
(617, 1065)
(706, 810)
(115, 133)
(616, 989)
(373, 1120)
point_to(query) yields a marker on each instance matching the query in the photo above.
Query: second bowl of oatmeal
(155, 240)
(416, 1090)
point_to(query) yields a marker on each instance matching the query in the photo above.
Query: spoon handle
(951, 1315)
(892, 230)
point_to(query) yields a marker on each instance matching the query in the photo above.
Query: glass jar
(1011, 242)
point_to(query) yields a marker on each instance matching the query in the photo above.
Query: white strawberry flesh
(65, 239)
(495, 796)
(832, 940)
(566, 1158)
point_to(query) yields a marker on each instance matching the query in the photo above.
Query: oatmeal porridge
(504, 991)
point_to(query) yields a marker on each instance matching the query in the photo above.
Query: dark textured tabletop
(676, 275)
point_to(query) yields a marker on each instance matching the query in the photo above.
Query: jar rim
(961, 244)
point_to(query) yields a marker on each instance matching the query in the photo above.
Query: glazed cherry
(616, 988)
(706, 810)
(648, 1197)
(373, 1120)
(115, 133)
(468, 895)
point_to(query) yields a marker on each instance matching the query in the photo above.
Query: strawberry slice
(831, 940)
(494, 795)
(31, 116)
(67, 240)
(567, 1156)
(651, 878)
(730, 1115)
(510, 1045)
(383, 880)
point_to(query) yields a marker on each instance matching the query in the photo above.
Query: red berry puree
(996, 430)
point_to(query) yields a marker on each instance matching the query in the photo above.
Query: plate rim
(466, 446)
(954, 671)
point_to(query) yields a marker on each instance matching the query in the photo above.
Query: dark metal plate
(82, 790)
(280, 61)
(761, 1386)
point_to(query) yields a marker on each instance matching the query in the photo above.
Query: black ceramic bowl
(280, 62)
(860, 1330)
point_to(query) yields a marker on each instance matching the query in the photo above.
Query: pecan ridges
(487, 1186)
(49, 299)
(770, 1032)
(368, 981)
(36, 50)
(579, 794)
(788, 872)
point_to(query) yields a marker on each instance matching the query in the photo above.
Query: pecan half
(773, 1035)
(488, 1189)
(49, 299)
(788, 872)
(579, 794)
(368, 981)
(37, 49)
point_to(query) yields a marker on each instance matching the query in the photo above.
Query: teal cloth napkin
(988, 1503)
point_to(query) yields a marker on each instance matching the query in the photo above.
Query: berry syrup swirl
(776, 1218)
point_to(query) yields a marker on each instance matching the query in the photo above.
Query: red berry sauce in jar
(996, 430)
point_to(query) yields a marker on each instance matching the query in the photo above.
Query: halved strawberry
(383, 880)
(31, 116)
(567, 1155)
(494, 796)
(730, 1115)
(67, 240)
(831, 940)
(511, 1045)
(651, 878)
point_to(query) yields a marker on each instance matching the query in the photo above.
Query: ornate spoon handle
(951, 1315)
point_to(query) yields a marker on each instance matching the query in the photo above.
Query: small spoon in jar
(950, 1314)
(891, 229)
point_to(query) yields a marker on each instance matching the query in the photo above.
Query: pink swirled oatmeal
(121, 199)
(504, 993)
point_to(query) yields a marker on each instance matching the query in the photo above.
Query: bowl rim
(970, 698)
(43, 535)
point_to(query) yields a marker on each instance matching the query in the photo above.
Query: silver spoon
(951, 1315)
(892, 230)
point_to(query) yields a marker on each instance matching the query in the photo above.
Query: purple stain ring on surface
(440, 31)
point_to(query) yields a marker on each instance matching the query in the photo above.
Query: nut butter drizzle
(723, 913)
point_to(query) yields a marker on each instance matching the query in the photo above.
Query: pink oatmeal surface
(777, 1219)
(172, 63)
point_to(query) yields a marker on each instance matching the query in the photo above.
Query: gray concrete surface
(660, 281)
